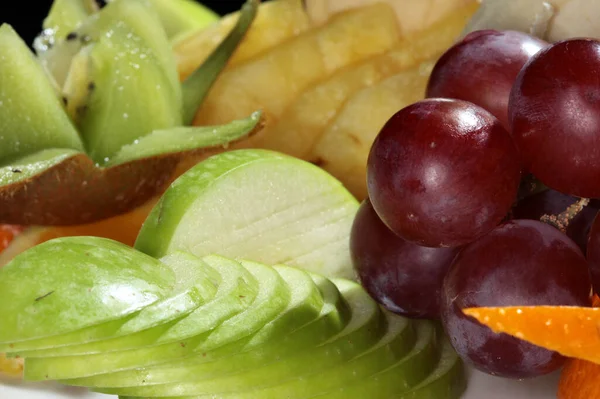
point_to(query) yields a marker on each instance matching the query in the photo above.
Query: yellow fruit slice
(274, 79)
(344, 147)
(305, 120)
(11, 367)
(413, 15)
(276, 22)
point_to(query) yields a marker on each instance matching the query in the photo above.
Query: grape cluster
(486, 193)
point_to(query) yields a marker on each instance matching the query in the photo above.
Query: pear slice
(67, 284)
(276, 22)
(279, 210)
(195, 285)
(273, 296)
(334, 316)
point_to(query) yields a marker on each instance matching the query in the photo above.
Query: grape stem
(561, 221)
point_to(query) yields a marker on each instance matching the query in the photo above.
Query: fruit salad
(302, 199)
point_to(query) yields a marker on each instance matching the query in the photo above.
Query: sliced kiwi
(32, 115)
(129, 96)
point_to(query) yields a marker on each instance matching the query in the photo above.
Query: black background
(29, 23)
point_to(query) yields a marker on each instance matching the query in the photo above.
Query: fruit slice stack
(195, 320)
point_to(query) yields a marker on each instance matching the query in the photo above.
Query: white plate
(480, 386)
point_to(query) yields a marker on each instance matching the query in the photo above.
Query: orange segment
(8, 233)
(569, 330)
(579, 379)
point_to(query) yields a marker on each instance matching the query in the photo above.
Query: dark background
(29, 23)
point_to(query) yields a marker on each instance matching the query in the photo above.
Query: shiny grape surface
(551, 202)
(521, 262)
(554, 113)
(405, 278)
(482, 68)
(442, 173)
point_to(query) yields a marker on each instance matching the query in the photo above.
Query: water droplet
(136, 66)
(120, 88)
(106, 159)
(142, 56)
(125, 115)
(136, 141)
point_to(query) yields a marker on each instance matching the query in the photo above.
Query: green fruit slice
(67, 284)
(66, 15)
(187, 138)
(366, 327)
(280, 210)
(181, 16)
(272, 298)
(235, 295)
(334, 316)
(32, 165)
(447, 381)
(195, 285)
(130, 95)
(33, 118)
(399, 377)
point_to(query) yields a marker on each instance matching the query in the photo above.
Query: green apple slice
(195, 285)
(447, 381)
(366, 327)
(259, 205)
(33, 118)
(399, 377)
(334, 316)
(273, 296)
(67, 284)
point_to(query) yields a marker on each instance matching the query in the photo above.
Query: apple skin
(333, 318)
(71, 283)
(256, 204)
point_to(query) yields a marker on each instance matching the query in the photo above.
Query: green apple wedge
(366, 327)
(195, 284)
(448, 380)
(334, 316)
(405, 374)
(256, 204)
(67, 284)
(272, 297)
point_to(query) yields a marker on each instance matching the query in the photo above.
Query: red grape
(521, 262)
(554, 111)
(482, 68)
(593, 253)
(442, 172)
(403, 277)
(551, 202)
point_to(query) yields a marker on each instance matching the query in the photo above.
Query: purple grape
(442, 172)
(482, 68)
(551, 202)
(554, 112)
(521, 262)
(403, 277)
